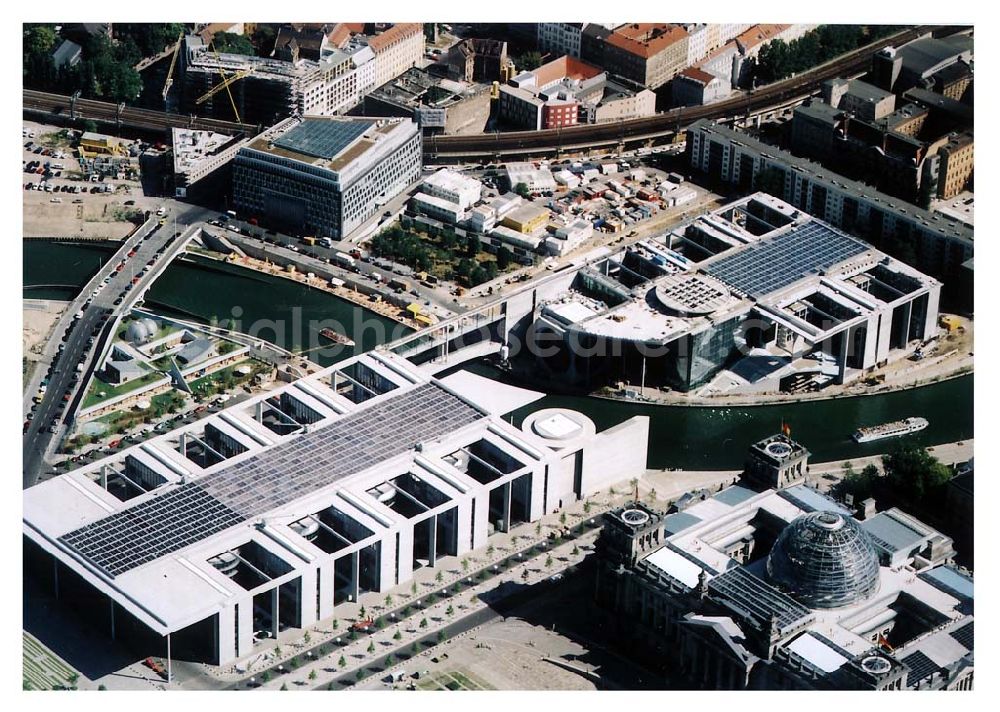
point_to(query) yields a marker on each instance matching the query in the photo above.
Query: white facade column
(432, 542)
(463, 522)
(480, 527)
(355, 575)
(275, 602)
(326, 586)
(225, 635)
(307, 597)
(244, 620)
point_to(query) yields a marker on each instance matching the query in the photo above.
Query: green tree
(504, 256)
(465, 565)
(473, 246)
(371, 647)
(522, 190)
(342, 662)
(39, 38)
(914, 475)
(439, 577)
(150, 37)
(265, 676)
(336, 624)
(284, 687)
(263, 38)
(478, 276)
(562, 518)
(423, 622)
(312, 674)
(440, 636)
(101, 688)
(449, 610)
(397, 635)
(388, 600)
(232, 43)
(359, 674)
(306, 638)
(389, 660)
(413, 588)
(548, 561)
(529, 60)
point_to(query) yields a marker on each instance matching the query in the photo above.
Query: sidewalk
(412, 595)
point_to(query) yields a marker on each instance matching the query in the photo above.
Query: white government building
(271, 513)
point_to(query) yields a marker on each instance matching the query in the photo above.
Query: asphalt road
(302, 256)
(82, 338)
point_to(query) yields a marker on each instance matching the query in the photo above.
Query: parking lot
(62, 199)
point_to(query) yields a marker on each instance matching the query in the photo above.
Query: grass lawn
(225, 379)
(98, 386)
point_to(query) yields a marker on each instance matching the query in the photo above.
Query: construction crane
(173, 63)
(224, 84)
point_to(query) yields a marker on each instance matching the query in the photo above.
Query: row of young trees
(779, 59)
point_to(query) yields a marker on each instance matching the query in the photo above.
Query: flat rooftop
(330, 142)
(222, 499)
(776, 262)
(941, 224)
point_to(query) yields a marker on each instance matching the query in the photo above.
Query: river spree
(697, 438)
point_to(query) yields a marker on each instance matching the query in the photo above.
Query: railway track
(59, 105)
(441, 148)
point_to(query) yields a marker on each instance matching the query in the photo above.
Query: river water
(700, 438)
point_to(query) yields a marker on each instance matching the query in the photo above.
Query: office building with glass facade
(757, 278)
(325, 175)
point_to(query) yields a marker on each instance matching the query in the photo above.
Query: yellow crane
(173, 63)
(224, 84)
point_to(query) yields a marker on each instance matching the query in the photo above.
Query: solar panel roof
(964, 635)
(920, 666)
(322, 138)
(195, 511)
(773, 263)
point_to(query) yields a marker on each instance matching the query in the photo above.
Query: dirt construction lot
(98, 216)
(39, 318)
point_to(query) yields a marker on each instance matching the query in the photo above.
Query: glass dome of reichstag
(824, 560)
